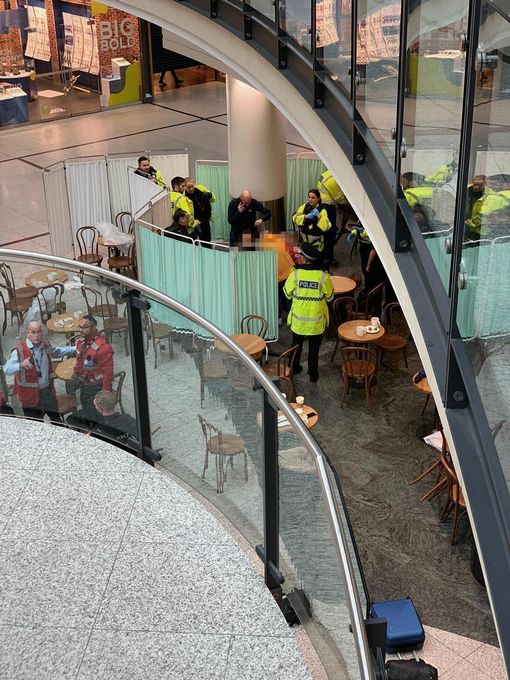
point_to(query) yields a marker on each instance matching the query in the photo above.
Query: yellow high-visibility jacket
(419, 195)
(309, 233)
(310, 290)
(330, 190)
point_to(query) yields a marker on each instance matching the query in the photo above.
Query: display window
(60, 58)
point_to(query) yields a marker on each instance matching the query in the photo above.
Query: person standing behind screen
(201, 199)
(30, 363)
(242, 216)
(146, 170)
(310, 288)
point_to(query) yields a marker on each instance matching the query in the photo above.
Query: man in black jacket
(118, 426)
(202, 209)
(242, 216)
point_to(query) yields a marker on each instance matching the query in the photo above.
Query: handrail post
(135, 305)
(271, 498)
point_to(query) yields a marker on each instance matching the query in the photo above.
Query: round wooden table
(65, 369)
(253, 345)
(342, 285)
(313, 416)
(109, 244)
(423, 385)
(40, 278)
(347, 331)
(70, 322)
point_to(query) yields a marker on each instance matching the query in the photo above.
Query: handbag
(410, 669)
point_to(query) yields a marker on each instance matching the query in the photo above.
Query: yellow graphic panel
(132, 85)
(97, 8)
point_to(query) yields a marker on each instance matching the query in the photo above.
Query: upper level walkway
(110, 569)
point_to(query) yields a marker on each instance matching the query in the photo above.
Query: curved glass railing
(189, 400)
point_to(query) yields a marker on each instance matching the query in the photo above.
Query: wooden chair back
(394, 321)
(286, 363)
(87, 239)
(124, 222)
(285, 386)
(7, 275)
(50, 300)
(373, 301)
(117, 382)
(98, 305)
(250, 324)
(358, 362)
(209, 431)
(344, 309)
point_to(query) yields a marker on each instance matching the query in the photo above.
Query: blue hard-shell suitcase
(405, 630)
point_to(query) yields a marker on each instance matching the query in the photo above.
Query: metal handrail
(338, 532)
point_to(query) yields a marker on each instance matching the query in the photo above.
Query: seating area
(364, 413)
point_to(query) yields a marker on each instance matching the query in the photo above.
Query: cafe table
(342, 285)
(40, 278)
(252, 344)
(283, 423)
(67, 322)
(310, 412)
(347, 332)
(65, 369)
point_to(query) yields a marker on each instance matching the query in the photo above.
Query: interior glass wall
(377, 58)
(296, 21)
(483, 313)
(432, 119)
(333, 22)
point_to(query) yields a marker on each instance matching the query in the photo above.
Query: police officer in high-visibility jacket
(332, 197)
(310, 289)
(176, 193)
(312, 220)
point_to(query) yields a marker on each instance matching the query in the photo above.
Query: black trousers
(47, 404)
(205, 231)
(314, 343)
(88, 410)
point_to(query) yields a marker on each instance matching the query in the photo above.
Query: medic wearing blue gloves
(312, 221)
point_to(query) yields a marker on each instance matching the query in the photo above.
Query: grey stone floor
(111, 570)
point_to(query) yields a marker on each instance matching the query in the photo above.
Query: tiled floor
(93, 587)
(194, 117)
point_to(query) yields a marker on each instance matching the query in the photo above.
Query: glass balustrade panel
(205, 416)
(296, 21)
(265, 7)
(84, 319)
(376, 77)
(483, 313)
(333, 21)
(436, 56)
(308, 558)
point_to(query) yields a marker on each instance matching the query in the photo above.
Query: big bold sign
(115, 35)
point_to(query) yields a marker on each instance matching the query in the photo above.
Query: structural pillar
(257, 149)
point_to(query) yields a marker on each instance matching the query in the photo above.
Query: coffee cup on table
(375, 321)
(300, 401)
(360, 331)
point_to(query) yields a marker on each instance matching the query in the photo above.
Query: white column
(256, 148)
